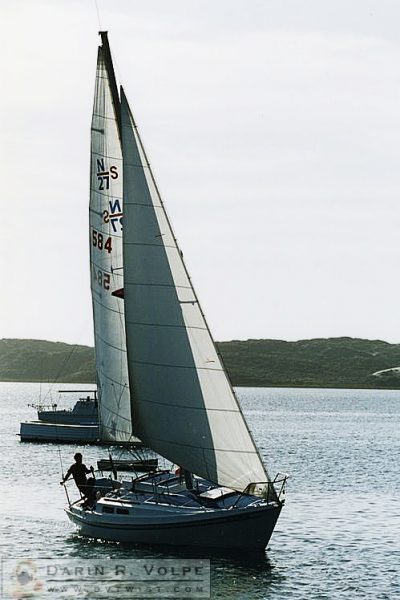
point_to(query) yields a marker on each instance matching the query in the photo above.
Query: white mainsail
(183, 405)
(106, 261)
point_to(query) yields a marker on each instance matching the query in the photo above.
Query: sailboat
(177, 397)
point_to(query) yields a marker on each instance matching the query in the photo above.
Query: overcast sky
(273, 129)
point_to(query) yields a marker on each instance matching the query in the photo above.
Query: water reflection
(234, 575)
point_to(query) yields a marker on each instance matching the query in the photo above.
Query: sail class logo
(104, 175)
(113, 215)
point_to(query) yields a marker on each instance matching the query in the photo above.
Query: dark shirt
(78, 472)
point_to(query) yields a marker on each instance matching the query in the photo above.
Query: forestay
(183, 405)
(106, 262)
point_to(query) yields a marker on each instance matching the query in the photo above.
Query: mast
(111, 76)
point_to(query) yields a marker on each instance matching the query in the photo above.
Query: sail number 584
(101, 242)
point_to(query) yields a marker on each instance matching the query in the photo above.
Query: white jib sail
(183, 405)
(106, 263)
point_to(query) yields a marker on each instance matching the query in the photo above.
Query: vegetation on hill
(329, 362)
(38, 360)
(333, 362)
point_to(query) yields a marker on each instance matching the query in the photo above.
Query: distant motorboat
(79, 424)
(75, 425)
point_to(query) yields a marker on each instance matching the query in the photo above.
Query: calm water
(338, 535)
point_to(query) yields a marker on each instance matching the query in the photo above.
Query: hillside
(332, 362)
(38, 360)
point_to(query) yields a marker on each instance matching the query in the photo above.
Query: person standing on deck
(78, 471)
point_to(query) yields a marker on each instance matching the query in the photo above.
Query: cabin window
(108, 509)
(122, 511)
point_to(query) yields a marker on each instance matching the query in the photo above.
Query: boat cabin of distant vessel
(84, 411)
